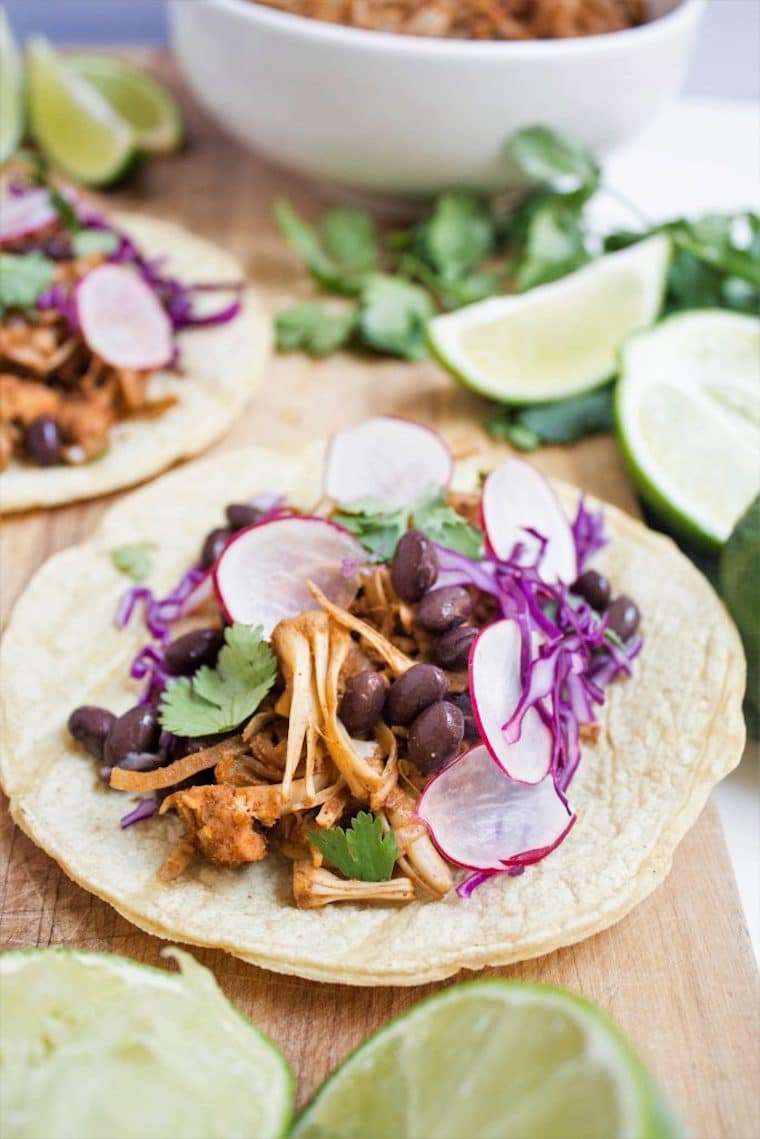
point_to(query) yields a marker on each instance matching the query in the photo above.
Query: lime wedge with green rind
(76, 128)
(94, 1045)
(491, 1059)
(143, 102)
(12, 97)
(557, 340)
(688, 420)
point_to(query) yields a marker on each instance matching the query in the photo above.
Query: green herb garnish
(363, 851)
(88, 241)
(563, 421)
(393, 316)
(219, 699)
(133, 560)
(313, 328)
(379, 526)
(24, 278)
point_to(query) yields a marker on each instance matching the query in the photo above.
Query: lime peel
(557, 340)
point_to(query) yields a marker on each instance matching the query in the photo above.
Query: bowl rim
(305, 27)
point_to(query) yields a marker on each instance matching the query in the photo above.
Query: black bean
(593, 587)
(414, 567)
(436, 736)
(142, 761)
(444, 609)
(623, 617)
(464, 704)
(421, 685)
(201, 646)
(240, 515)
(89, 726)
(213, 544)
(453, 649)
(43, 441)
(362, 703)
(137, 730)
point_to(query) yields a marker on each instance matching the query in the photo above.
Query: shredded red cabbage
(588, 533)
(145, 809)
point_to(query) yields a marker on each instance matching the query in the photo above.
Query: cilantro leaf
(554, 243)
(446, 526)
(326, 271)
(555, 160)
(393, 316)
(377, 526)
(313, 328)
(562, 421)
(219, 699)
(66, 212)
(133, 560)
(350, 239)
(23, 279)
(89, 241)
(363, 851)
(459, 234)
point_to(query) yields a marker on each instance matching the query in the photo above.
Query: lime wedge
(141, 100)
(11, 91)
(491, 1060)
(688, 417)
(94, 1045)
(75, 126)
(556, 340)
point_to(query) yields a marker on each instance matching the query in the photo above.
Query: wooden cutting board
(677, 975)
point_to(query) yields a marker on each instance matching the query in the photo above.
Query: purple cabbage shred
(145, 809)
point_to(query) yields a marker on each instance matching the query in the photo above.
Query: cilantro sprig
(379, 526)
(24, 277)
(468, 248)
(220, 699)
(133, 560)
(362, 851)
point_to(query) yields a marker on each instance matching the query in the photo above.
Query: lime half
(557, 340)
(94, 1045)
(688, 416)
(491, 1060)
(141, 100)
(11, 91)
(74, 125)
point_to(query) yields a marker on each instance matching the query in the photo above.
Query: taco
(377, 724)
(126, 343)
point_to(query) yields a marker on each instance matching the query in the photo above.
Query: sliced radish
(122, 319)
(481, 819)
(496, 689)
(262, 574)
(386, 458)
(25, 213)
(517, 498)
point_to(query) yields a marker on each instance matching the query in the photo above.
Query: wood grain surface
(677, 975)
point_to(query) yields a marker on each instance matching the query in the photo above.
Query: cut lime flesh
(557, 340)
(688, 419)
(490, 1060)
(141, 100)
(12, 110)
(75, 126)
(94, 1045)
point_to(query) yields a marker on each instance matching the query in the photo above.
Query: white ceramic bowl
(403, 116)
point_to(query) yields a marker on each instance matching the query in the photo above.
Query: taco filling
(386, 691)
(85, 321)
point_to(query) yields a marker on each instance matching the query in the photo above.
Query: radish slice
(481, 819)
(26, 213)
(386, 458)
(515, 497)
(123, 320)
(495, 689)
(262, 574)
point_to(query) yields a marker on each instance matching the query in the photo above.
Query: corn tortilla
(221, 367)
(667, 736)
